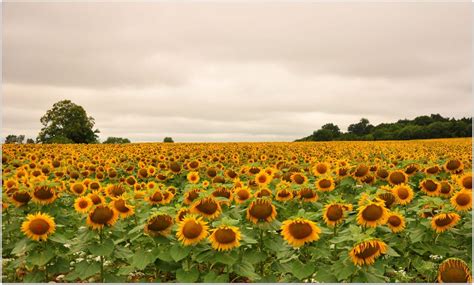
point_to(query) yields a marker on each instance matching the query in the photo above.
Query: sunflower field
(238, 212)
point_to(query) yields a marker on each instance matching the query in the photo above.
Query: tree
(361, 128)
(11, 139)
(168, 140)
(67, 122)
(116, 140)
(328, 132)
(20, 138)
(30, 141)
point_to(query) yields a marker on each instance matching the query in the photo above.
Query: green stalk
(101, 259)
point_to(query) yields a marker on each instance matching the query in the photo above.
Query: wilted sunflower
(325, 184)
(442, 222)
(263, 178)
(78, 188)
(454, 270)
(261, 210)
(465, 181)
(308, 195)
(242, 194)
(38, 226)
(299, 231)
(102, 215)
(430, 187)
(396, 222)
(333, 213)
(159, 225)
(192, 230)
(372, 214)
(44, 195)
(207, 207)
(124, 210)
(82, 204)
(403, 194)
(193, 177)
(225, 238)
(299, 178)
(462, 200)
(397, 177)
(366, 252)
(115, 190)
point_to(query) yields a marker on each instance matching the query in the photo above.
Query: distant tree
(11, 139)
(20, 138)
(67, 122)
(363, 127)
(168, 140)
(116, 140)
(30, 141)
(328, 132)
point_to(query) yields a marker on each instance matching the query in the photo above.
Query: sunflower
(94, 186)
(78, 188)
(299, 231)
(242, 194)
(193, 177)
(442, 222)
(265, 192)
(299, 178)
(361, 171)
(454, 270)
(430, 187)
(372, 214)
(342, 171)
(411, 169)
(115, 190)
(432, 170)
(446, 189)
(284, 195)
(124, 210)
(225, 238)
(44, 195)
(159, 225)
(334, 213)
(397, 177)
(263, 178)
(20, 198)
(261, 210)
(192, 230)
(325, 184)
(365, 253)
(182, 214)
(388, 198)
(396, 222)
(403, 194)
(102, 215)
(191, 195)
(453, 165)
(167, 197)
(207, 207)
(193, 164)
(130, 180)
(465, 181)
(38, 226)
(462, 200)
(321, 168)
(82, 204)
(224, 193)
(382, 173)
(308, 195)
(96, 198)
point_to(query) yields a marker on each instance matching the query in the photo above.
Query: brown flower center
(454, 275)
(22, 197)
(207, 206)
(325, 183)
(453, 164)
(382, 173)
(307, 193)
(95, 199)
(159, 223)
(192, 229)
(430, 185)
(444, 221)
(467, 182)
(372, 213)
(120, 206)
(463, 199)
(102, 215)
(44, 193)
(403, 193)
(394, 221)
(261, 211)
(78, 188)
(243, 194)
(299, 179)
(445, 187)
(397, 178)
(83, 204)
(300, 230)
(39, 226)
(369, 251)
(321, 168)
(334, 213)
(225, 236)
(361, 171)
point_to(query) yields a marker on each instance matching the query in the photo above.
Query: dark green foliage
(168, 140)
(30, 140)
(116, 140)
(422, 127)
(14, 139)
(67, 122)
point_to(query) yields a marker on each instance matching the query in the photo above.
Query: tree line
(67, 122)
(422, 127)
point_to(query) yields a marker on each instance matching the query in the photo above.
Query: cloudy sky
(234, 72)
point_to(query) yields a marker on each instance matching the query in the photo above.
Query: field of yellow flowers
(238, 212)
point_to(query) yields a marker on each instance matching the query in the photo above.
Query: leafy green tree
(67, 122)
(11, 139)
(363, 127)
(30, 141)
(116, 140)
(168, 140)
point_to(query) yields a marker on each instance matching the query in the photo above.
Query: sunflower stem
(335, 245)
(101, 259)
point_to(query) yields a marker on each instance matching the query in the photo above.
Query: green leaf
(224, 258)
(104, 249)
(392, 252)
(59, 238)
(325, 276)
(342, 270)
(34, 277)
(122, 252)
(213, 277)
(164, 255)
(125, 270)
(254, 257)
(300, 270)
(179, 252)
(40, 258)
(142, 258)
(245, 269)
(114, 278)
(190, 276)
(84, 269)
(20, 246)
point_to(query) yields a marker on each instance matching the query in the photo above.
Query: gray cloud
(262, 71)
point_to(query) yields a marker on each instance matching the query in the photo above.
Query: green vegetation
(168, 140)
(423, 127)
(116, 140)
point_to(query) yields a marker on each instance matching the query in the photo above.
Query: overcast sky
(234, 72)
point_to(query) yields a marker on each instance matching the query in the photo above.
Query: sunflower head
(120, 205)
(115, 190)
(396, 222)
(159, 225)
(284, 195)
(263, 178)
(334, 213)
(44, 194)
(453, 165)
(403, 194)
(82, 204)
(308, 195)
(38, 226)
(372, 214)
(192, 230)
(444, 221)
(242, 194)
(299, 178)
(465, 181)
(225, 238)
(462, 200)
(102, 215)
(454, 270)
(430, 187)
(207, 207)
(365, 253)
(299, 231)
(397, 177)
(261, 210)
(325, 184)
